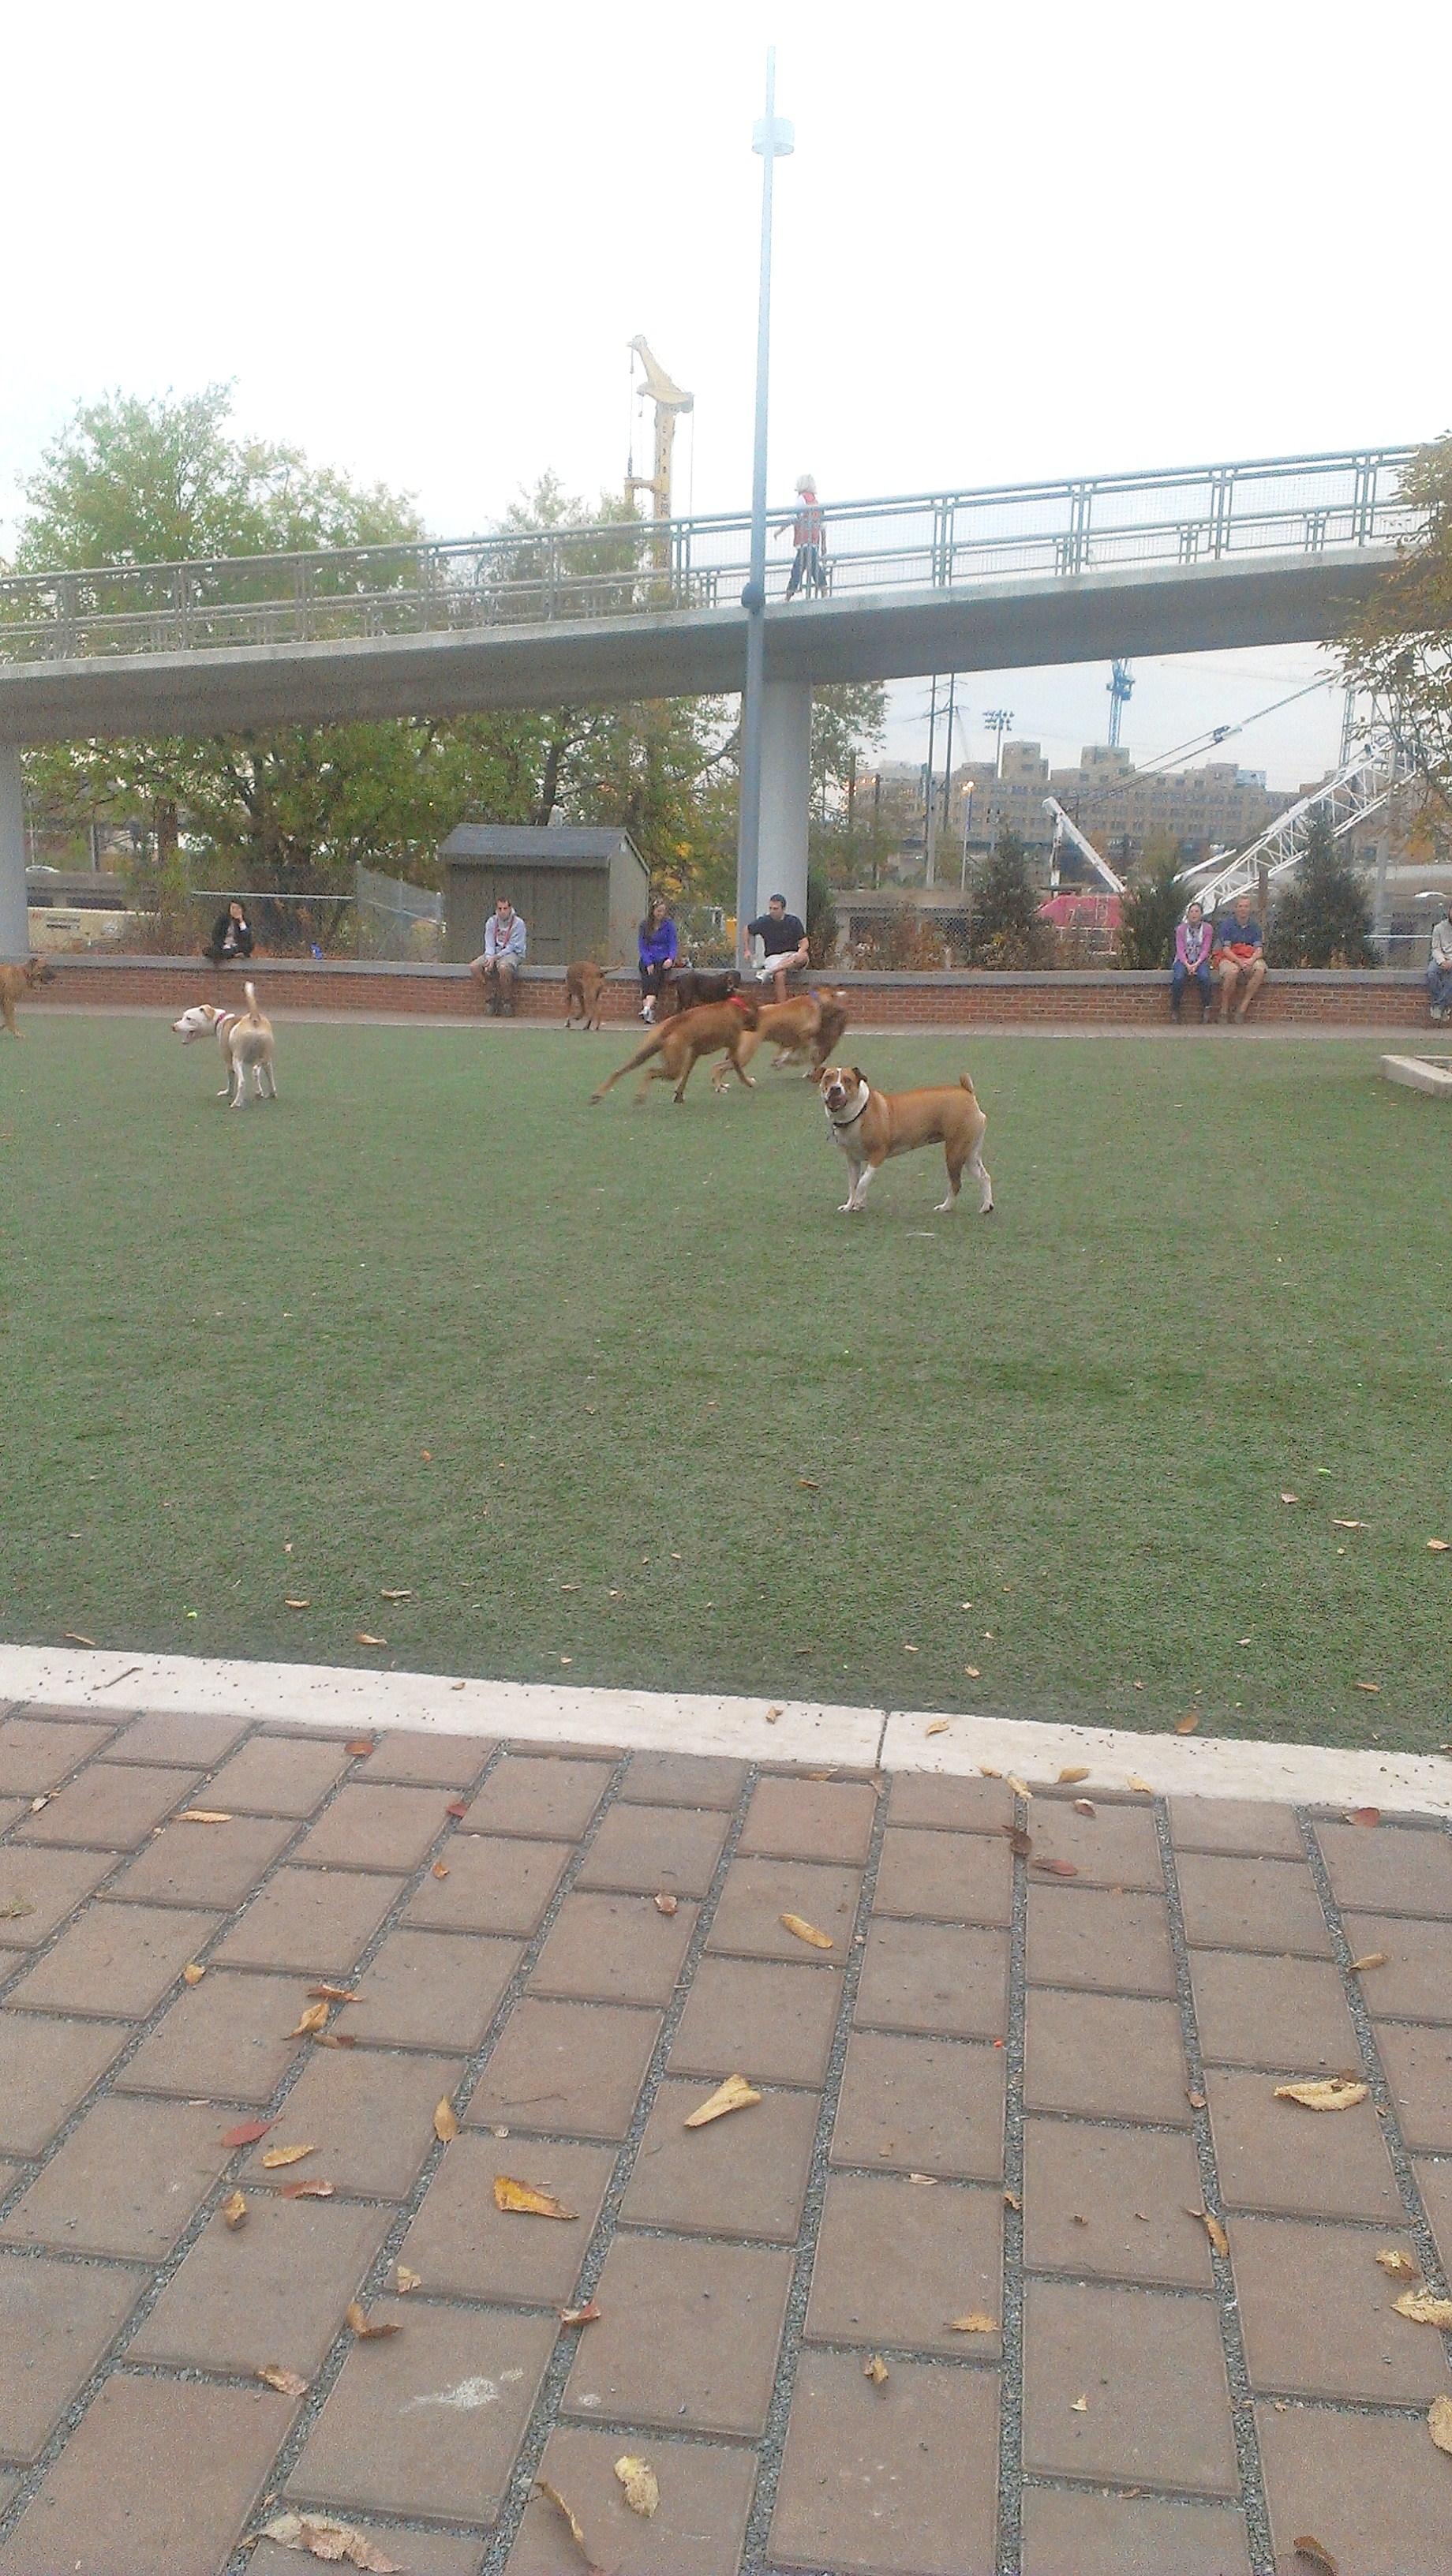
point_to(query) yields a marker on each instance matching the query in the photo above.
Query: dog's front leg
(853, 1201)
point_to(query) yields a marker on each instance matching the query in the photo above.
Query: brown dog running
(17, 980)
(584, 984)
(869, 1125)
(809, 1026)
(710, 1029)
(685, 986)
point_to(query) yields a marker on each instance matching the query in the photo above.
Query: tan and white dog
(870, 1125)
(246, 1042)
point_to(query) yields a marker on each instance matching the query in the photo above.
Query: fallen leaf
(974, 2324)
(276, 2156)
(1141, 1788)
(939, 1726)
(286, 2382)
(313, 2019)
(642, 2492)
(1187, 1724)
(1364, 1816)
(359, 1746)
(1085, 1807)
(446, 2123)
(1306, 2547)
(986, 1770)
(801, 1930)
(362, 1638)
(523, 2197)
(665, 1904)
(875, 2369)
(335, 1994)
(316, 2189)
(553, 2496)
(406, 2280)
(1370, 1959)
(457, 1807)
(1290, 1498)
(13, 1908)
(1012, 2200)
(440, 1869)
(336, 2039)
(1323, 2093)
(1397, 2265)
(366, 2332)
(247, 2133)
(974, 1675)
(395, 1596)
(1351, 1525)
(203, 1816)
(772, 1715)
(1373, 1687)
(1019, 1843)
(321, 2537)
(1075, 1771)
(73, 1637)
(1424, 2307)
(1213, 2229)
(1439, 1546)
(291, 1602)
(1439, 2423)
(929, 2182)
(1079, 2406)
(37, 1803)
(1195, 2100)
(235, 2211)
(588, 2315)
(1019, 1787)
(809, 1484)
(1058, 1868)
(734, 2095)
(193, 1975)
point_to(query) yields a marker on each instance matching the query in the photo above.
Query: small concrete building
(581, 892)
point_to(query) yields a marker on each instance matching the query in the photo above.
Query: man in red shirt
(1239, 954)
(806, 528)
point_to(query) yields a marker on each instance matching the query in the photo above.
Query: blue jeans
(1439, 986)
(1180, 976)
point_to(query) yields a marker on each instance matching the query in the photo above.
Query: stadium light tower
(999, 721)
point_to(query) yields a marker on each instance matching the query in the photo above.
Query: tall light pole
(773, 138)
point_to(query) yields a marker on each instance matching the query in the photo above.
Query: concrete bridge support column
(14, 925)
(786, 788)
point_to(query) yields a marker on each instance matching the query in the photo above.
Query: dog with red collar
(712, 1028)
(871, 1125)
(246, 1042)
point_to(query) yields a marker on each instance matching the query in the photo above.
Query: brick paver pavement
(943, 2304)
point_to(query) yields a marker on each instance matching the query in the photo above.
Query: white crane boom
(1066, 829)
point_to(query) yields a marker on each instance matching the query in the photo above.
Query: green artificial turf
(622, 1387)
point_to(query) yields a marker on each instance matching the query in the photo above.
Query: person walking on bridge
(807, 527)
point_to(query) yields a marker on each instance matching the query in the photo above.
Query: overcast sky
(1045, 240)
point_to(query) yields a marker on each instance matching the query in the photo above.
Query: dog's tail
(965, 1085)
(652, 1046)
(253, 1012)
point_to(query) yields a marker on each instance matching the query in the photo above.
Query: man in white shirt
(1439, 969)
(503, 957)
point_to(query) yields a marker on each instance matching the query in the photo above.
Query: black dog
(685, 986)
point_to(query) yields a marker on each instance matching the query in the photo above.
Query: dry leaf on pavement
(1439, 2423)
(588, 2315)
(339, 2542)
(1312, 2550)
(1397, 2265)
(974, 2324)
(1371, 1959)
(314, 2018)
(13, 1909)
(1323, 2093)
(1075, 1771)
(360, 1745)
(802, 1930)
(441, 1869)
(286, 2382)
(523, 2197)
(246, 2133)
(235, 2210)
(1363, 1816)
(553, 2496)
(203, 1816)
(1141, 1788)
(642, 2491)
(1085, 1807)
(1058, 1868)
(193, 1975)
(665, 1904)
(446, 2123)
(406, 2280)
(456, 1808)
(335, 1994)
(275, 2156)
(1011, 2199)
(1213, 2229)
(318, 2190)
(734, 2095)
(1079, 2406)
(365, 2332)
(939, 1726)
(1424, 2308)
(1019, 1843)
(1019, 1787)
(875, 2369)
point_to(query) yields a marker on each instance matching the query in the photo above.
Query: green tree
(1323, 918)
(1004, 925)
(1397, 645)
(1152, 907)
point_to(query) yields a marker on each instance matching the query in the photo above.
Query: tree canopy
(1398, 644)
(1323, 918)
(1004, 925)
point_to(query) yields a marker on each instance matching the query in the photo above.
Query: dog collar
(740, 1001)
(857, 1112)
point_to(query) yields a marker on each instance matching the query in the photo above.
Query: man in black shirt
(784, 940)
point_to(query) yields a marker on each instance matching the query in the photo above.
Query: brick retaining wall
(1384, 997)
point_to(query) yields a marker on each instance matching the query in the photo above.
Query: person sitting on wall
(1239, 952)
(1439, 969)
(784, 939)
(658, 949)
(504, 945)
(231, 939)
(1193, 938)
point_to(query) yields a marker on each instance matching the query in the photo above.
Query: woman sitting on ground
(657, 953)
(1193, 938)
(231, 937)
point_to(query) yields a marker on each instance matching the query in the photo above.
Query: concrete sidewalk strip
(1019, 2266)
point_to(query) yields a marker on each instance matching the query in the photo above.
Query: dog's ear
(859, 1076)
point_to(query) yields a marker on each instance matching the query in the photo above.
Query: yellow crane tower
(668, 399)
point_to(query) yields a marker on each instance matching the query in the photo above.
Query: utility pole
(773, 139)
(947, 807)
(930, 775)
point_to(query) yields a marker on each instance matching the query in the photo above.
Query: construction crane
(1066, 829)
(668, 399)
(1364, 782)
(1121, 690)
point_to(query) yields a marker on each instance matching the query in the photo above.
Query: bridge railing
(941, 541)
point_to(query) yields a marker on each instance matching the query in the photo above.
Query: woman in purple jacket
(657, 953)
(1193, 938)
